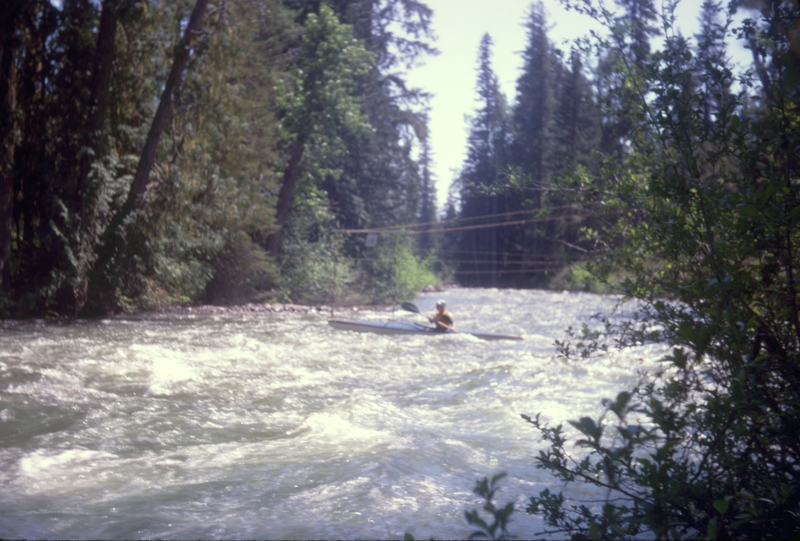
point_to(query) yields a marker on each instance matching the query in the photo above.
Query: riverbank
(278, 308)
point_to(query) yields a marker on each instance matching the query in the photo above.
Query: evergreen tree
(620, 79)
(482, 174)
(534, 108)
(10, 15)
(639, 18)
(535, 135)
(577, 119)
(426, 243)
(710, 70)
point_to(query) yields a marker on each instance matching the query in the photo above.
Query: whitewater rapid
(261, 425)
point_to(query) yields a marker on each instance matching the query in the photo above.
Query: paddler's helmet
(440, 304)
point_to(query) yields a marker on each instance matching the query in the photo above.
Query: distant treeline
(548, 152)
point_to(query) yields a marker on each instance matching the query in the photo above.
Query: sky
(451, 75)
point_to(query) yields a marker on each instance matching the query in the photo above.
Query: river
(242, 425)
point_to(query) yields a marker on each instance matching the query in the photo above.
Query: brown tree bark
(286, 194)
(100, 90)
(180, 59)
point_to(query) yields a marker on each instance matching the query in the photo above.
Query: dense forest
(205, 151)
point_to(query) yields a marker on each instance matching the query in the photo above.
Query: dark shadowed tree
(10, 15)
(115, 253)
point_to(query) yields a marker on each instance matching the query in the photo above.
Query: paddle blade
(410, 307)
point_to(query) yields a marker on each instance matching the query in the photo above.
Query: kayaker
(442, 318)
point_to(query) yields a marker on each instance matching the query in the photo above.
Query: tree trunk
(8, 16)
(179, 60)
(84, 197)
(101, 86)
(290, 178)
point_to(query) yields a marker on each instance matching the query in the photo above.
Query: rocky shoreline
(278, 308)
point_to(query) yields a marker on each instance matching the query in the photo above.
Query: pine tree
(577, 118)
(618, 92)
(535, 136)
(576, 139)
(714, 79)
(639, 17)
(426, 243)
(482, 174)
(534, 108)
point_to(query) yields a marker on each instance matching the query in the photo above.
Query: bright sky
(451, 76)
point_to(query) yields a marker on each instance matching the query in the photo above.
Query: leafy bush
(707, 447)
(487, 489)
(707, 190)
(242, 272)
(393, 273)
(313, 264)
(578, 277)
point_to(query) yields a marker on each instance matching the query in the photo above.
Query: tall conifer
(427, 211)
(482, 174)
(535, 136)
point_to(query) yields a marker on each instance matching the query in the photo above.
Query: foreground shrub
(707, 447)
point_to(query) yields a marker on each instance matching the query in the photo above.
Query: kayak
(409, 327)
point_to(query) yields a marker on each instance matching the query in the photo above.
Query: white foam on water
(64, 472)
(170, 374)
(278, 426)
(331, 429)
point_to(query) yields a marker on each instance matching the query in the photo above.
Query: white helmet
(440, 304)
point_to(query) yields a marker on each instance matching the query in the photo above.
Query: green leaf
(749, 211)
(588, 427)
(594, 531)
(721, 506)
(712, 529)
(619, 405)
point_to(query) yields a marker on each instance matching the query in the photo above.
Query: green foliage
(242, 272)
(487, 489)
(706, 447)
(322, 92)
(380, 183)
(262, 76)
(482, 173)
(392, 273)
(578, 277)
(313, 266)
(518, 161)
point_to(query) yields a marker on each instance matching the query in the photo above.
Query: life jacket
(443, 317)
